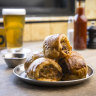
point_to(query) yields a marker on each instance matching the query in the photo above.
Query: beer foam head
(13, 11)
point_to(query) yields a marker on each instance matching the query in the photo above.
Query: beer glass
(14, 20)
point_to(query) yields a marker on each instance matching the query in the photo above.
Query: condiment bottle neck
(80, 7)
(80, 11)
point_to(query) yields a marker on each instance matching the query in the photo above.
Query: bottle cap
(92, 28)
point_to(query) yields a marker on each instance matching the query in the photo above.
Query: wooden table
(10, 85)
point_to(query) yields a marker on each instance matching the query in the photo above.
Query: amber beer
(14, 24)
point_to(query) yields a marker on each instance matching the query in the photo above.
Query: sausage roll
(56, 46)
(31, 58)
(73, 66)
(45, 69)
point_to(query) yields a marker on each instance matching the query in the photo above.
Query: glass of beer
(14, 20)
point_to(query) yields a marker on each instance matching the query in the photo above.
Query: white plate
(19, 71)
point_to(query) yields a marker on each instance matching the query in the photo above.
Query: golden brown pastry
(45, 69)
(73, 66)
(56, 45)
(31, 58)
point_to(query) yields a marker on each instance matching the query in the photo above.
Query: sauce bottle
(80, 26)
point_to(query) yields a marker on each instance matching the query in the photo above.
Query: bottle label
(2, 39)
